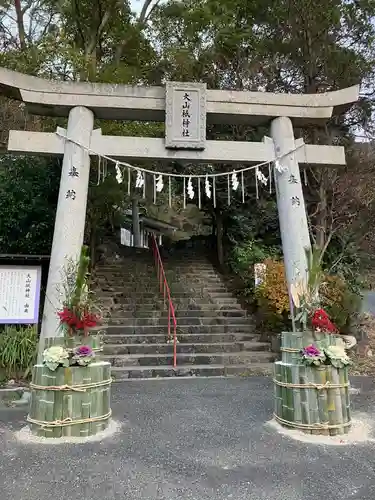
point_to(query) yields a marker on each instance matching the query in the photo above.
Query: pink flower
(83, 350)
(311, 351)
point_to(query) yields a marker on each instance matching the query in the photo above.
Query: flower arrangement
(58, 356)
(79, 308)
(305, 295)
(320, 354)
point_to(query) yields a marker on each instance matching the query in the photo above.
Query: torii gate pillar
(290, 201)
(70, 214)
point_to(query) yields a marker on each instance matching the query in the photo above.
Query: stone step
(124, 288)
(154, 359)
(122, 329)
(189, 321)
(221, 295)
(129, 274)
(186, 338)
(139, 296)
(184, 348)
(213, 370)
(180, 309)
(133, 313)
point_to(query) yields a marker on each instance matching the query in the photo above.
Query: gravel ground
(193, 439)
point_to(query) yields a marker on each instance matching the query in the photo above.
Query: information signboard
(19, 294)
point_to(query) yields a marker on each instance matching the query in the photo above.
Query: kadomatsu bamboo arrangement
(70, 388)
(311, 383)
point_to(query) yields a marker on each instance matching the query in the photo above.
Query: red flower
(89, 320)
(321, 321)
(68, 317)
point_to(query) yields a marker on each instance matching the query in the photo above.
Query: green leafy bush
(245, 255)
(18, 348)
(340, 302)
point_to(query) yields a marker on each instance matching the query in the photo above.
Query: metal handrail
(165, 290)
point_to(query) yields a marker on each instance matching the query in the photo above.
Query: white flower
(336, 351)
(55, 356)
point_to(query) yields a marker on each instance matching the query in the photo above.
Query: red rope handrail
(164, 289)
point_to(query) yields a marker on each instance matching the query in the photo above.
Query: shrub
(18, 348)
(245, 255)
(273, 291)
(339, 301)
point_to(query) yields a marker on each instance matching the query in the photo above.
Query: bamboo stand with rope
(74, 401)
(313, 399)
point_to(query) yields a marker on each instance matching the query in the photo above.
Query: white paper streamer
(159, 183)
(99, 169)
(119, 178)
(140, 180)
(207, 187)
(235, 182)
(243, 188)
(190, 189)
(261, 177)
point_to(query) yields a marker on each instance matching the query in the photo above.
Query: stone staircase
(216, 337)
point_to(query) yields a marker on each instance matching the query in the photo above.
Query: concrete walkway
(189, 440)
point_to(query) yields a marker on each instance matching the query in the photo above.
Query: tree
(28, 197)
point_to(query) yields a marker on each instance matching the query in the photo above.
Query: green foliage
(18, 348)
(81, 278)
(341, 303)
(244, 255)
(28, 197)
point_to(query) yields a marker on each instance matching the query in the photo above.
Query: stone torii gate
(185, 107)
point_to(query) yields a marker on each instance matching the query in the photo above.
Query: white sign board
(185, 113)
(19, 294)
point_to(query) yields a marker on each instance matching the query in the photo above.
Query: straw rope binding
(74, 388)
(312, 427)
(68, 421)
(311, 385)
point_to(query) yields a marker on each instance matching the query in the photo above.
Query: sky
(136, 5)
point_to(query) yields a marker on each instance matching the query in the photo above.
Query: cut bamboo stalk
(313, 400)
(296, 395)
(304, 398)
(50, 380)
(338, 405)
(86, 404)
(278, 392)
(321, 379)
